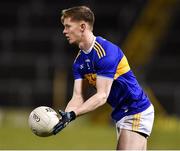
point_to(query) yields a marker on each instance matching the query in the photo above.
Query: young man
(105, 66)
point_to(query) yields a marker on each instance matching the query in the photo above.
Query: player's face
(72, 31)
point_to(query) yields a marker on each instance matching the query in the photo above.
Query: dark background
(35, 58)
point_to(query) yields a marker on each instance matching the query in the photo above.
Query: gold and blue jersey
(107, 59)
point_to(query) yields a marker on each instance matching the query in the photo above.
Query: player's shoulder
(107, 46)
(103, 42)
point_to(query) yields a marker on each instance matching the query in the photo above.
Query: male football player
(105, 67)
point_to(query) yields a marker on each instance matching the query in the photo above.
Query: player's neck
(87, 41)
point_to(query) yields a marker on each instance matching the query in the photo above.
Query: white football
(42, 120)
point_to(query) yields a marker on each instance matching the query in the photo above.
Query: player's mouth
(68, 38)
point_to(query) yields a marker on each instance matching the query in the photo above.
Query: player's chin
(71, 42)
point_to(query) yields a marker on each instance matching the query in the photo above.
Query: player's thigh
(129, 140)
(141, 122)
(133, 130)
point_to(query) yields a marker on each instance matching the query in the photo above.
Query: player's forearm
(91, 104)
(74, 103)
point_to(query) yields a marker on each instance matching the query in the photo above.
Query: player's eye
(67, 26)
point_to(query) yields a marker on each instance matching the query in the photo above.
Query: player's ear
(82, 27)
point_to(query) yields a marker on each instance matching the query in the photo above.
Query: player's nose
(64, 31)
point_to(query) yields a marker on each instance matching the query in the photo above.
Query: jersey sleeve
(76, 72)
(107, 66)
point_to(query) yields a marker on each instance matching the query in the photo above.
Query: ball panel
(42, 120)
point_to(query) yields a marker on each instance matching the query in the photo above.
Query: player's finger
(62, 113)
(58, 128)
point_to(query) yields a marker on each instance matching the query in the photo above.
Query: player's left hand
(66, 118)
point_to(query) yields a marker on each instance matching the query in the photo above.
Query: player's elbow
(102, 98)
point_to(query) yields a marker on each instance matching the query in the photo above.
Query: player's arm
(105, 69)
(103, 85)
(75, 102)
(77, 106)
(77, 98)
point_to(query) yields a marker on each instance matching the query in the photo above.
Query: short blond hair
(79, 13)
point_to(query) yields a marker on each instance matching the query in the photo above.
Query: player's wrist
(73, 115)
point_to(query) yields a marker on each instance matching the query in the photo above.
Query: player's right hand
(58, 127)
(66, 118)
